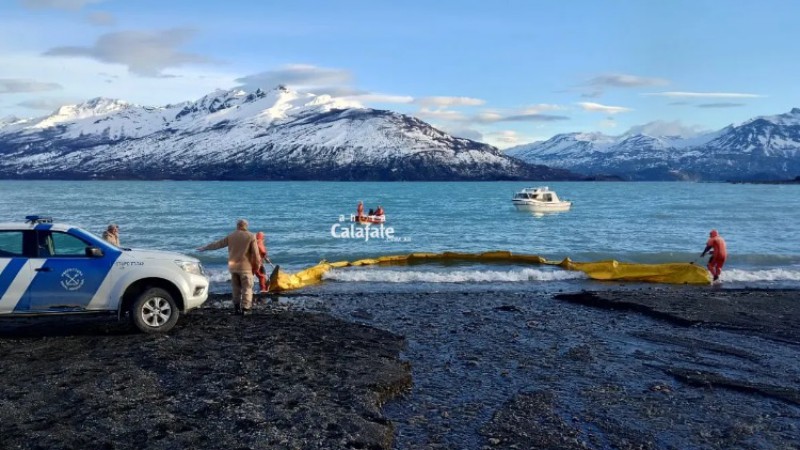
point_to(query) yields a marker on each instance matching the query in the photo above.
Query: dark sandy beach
(648, 368)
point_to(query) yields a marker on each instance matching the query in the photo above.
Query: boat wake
(458, 276)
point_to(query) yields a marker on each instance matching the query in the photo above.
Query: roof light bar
(38, 219)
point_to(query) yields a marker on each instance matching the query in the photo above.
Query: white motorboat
(539, 199)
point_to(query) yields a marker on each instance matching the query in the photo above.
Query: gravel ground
(618, 369)
(630, 369)
(216, 381)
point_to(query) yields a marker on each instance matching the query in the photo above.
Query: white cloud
(533, 117)
(85, 79)
(720, 105)
(504, 139)
(57, 4)
(597, 107)
(318, 80)
(507, 137)
(444, 102)
(530, 114)
(624, 81)
(465, 133)
(299, 76)
(15, 85)
(489, 117)
(381, 98)
(595, 87)
(541, 108)
(534, 113)
(145, 53)
(441, 114)
(678, 94)
(666, 128)
(101, 18)
(608, 123)
(48, 104)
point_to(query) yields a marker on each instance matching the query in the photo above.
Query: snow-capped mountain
(762, 148)
(277, 134)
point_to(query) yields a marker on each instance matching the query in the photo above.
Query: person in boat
(360, 209)
(719, 253)
(259, 272)
(371, 212)
(379, 211)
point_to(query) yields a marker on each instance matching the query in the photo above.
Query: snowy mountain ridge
(276, 134)
(765, 147)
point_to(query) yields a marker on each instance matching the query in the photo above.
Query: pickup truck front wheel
(154, 311)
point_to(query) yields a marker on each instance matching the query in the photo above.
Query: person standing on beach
(262, 253)
(719, 253)
(111, 235)
(243, 259)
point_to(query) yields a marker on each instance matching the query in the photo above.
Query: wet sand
(650, 368)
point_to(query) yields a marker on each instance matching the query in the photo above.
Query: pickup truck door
(15, 277)
(66, 279)
(15, 271)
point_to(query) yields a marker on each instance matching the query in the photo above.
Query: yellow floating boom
(672, 273)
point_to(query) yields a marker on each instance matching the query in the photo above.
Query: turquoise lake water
(630, 222)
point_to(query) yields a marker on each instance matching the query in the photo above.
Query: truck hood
(139, 254)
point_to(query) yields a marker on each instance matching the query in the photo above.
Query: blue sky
(503, 72)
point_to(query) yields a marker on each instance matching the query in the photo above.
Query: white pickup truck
(49, 268)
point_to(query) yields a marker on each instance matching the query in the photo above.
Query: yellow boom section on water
(672, 273)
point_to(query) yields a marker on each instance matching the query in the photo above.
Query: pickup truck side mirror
(94, 252)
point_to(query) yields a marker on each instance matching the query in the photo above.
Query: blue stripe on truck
(9, 273)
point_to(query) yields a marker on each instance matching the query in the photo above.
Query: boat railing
(373, 217)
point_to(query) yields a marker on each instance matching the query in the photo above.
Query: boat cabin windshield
(536, 195)
(526, 195)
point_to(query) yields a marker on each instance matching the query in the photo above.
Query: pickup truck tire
(154, 311)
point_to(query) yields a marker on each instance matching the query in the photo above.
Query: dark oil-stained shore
(216, 381)
(649, 368)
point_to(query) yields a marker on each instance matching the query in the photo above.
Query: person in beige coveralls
(243, 256)
(111, 235)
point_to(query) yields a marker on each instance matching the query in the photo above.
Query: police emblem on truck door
(72, 279)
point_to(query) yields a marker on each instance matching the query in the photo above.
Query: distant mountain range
(236, 135)
(763, 148)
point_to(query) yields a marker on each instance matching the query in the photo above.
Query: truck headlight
(190, 267)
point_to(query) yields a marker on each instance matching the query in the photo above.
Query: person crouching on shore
(719, 253)
(243, 259)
